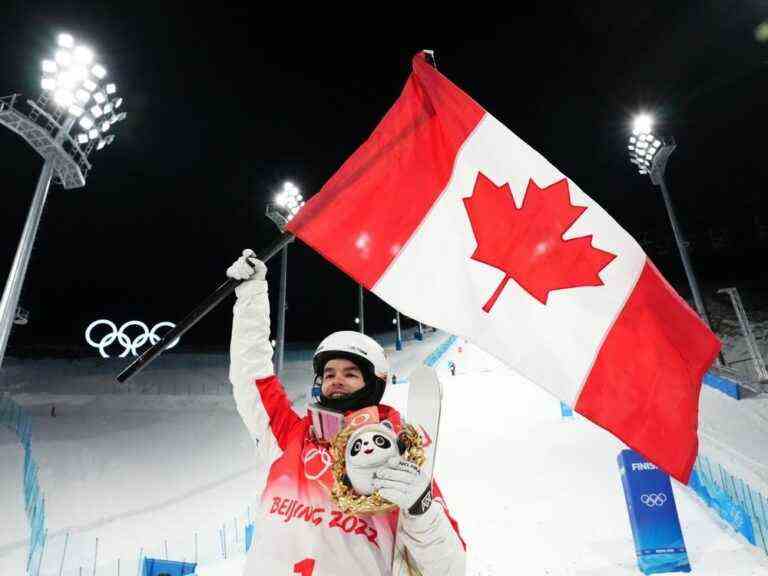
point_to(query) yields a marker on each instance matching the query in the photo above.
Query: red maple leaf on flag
(527, 243)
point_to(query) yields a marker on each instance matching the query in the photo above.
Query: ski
(424, 409)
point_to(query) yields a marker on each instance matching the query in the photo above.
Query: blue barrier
(730, 511)
(723, 384)
(653, 516)
(155, 567)
(14, 417)
(735, 501)
(438, 353)
(248, 536)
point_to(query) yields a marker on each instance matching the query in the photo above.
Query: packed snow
(164, 468)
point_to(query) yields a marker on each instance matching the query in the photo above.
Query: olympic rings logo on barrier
(131, 345)
(652, 500)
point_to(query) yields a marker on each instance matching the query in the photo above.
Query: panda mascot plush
(368, 449)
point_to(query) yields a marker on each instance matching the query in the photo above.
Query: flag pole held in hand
(198, 313)
(285, 206)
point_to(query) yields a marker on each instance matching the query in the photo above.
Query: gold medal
(344, 496)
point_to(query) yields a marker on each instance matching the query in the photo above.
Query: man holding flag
(300, 529)
(450, 218)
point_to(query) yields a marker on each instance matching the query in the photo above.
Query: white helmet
(363, 351)
(356, 344)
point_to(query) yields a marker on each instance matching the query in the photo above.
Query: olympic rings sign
(652, 500)
(131, 345)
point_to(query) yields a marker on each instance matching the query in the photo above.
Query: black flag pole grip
(198, 313)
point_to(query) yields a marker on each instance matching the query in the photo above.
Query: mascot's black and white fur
(368, 449)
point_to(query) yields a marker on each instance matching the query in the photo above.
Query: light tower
(284, 207)
(76, 90)
(650, 154)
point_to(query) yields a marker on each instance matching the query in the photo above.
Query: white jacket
(299, 530)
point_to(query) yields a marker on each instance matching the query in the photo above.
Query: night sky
(224, 105)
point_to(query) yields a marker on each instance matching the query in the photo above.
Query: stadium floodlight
(69, 77)
(642, 124)
(75, 110)
(50, 67)
(82, 96)
(650, 153)
(83, 55)
(284, 206)
(63, 97)
(99, 71)
(63, 58)
(65, 40)
(290, 199)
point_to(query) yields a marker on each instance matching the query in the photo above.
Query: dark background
(226, 103)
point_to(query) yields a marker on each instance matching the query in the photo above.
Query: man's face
(340, 378)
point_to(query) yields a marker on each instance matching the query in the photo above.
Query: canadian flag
(450, 218)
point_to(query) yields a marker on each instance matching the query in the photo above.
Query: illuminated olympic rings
(130, 345)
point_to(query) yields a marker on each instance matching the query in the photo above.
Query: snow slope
(544, 495)
(533, 493)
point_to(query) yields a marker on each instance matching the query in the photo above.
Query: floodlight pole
(15, 280)
(657, 172)
(278, 217)
(280, 352)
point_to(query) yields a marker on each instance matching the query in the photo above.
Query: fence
(77, 554)
(438, 353)
(82, 552)
(740, 505)
(14, 417)
(215, 544)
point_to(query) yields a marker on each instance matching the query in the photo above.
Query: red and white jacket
(299, 530)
